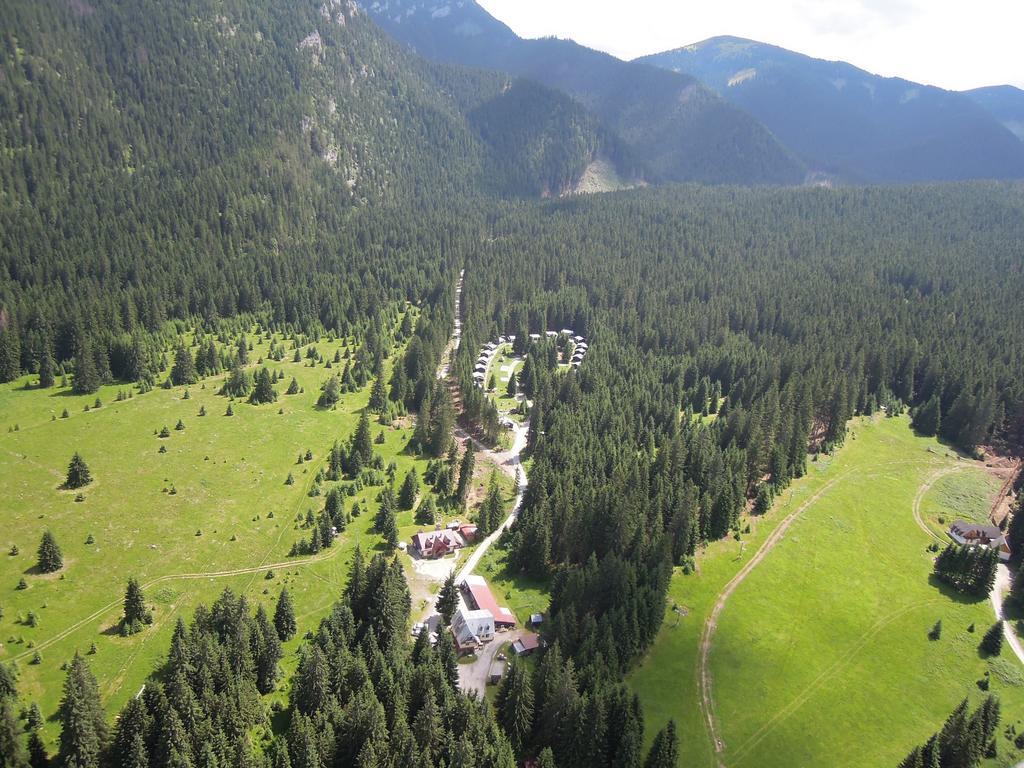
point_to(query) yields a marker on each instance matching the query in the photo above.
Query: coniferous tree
(83, 724)
(184, 369)
(87, 379)
(426, 512)
(665, 750)
(46, 378)
(465, 474)
(78, 475)
(448, 599)
(12, 752)
(263, 391)
(514, 705)
(992, 641)
(361, 450)
(927, 418)
(410, 489)
(378, 396)
(284, 617)
(50, 559)
(330, 394)
(293, 387)
(135, 612)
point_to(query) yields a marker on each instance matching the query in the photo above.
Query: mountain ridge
(844, 120)
(680, 129)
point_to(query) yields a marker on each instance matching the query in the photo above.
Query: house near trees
(472, 629)
(479, 597)
(979, 535)
(433, 544)
(526, 645)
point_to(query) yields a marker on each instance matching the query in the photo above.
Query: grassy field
(230, 511)
(821, 656)
(499, 394)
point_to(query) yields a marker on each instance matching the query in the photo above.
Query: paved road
(1004, 580)
(510, 462)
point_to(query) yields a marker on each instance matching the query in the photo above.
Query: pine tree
(514, 705)
(378, 396)
(78, 473)
(293, 388)
(184, 369)
(928, 418)
(426, 512)
(665, 750)
(992, 642)
(46, 377)
(12, 752)
(493, 508)
(284, 617)
(135, 612)
(763, 502)
(83, 724)
(361, 450)
(410, 489)
(385, 522)
(242, 350)
(330, 395)
(465, 474)
(50, 559)
(264, 391)
(448, 599)
(268, 652)
(37, 756)
(87, 379)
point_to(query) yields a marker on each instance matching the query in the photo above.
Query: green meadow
(211, 512)
(821, 655)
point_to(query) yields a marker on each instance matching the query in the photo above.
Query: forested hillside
(861, 127)
(676, 126)
(166, 160)
(776, 315)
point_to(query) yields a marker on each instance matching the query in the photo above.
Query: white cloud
(950, 43)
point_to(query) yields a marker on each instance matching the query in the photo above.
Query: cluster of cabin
(578, 351)
(486, 355)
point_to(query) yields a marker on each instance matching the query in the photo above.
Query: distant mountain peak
(850, 123)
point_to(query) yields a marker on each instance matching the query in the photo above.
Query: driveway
(473, 677)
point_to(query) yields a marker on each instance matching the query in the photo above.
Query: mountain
(211, 157)
(845, 121)
(1005, 103)
(678, 128)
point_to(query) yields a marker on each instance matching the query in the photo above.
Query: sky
(956, 44)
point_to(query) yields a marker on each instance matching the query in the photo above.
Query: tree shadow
(954, 594)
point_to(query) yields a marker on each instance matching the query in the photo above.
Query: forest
(734, 332)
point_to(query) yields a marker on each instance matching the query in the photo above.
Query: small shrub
(64, 414)
(93, 649)
(229, 411)
(22, 584)
(164, 433)
(14, 550)
(936, 631)
(163, 449)
(180, 425)
(202, 410)
(89, 539)
(36, 659)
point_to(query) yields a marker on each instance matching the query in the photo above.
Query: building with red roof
(479, 597)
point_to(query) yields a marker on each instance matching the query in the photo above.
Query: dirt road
(711, 623)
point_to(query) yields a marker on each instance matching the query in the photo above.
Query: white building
(472, 628)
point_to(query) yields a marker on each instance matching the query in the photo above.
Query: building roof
(529, 642)
(483, 599)
(428, 539)
(964, 527)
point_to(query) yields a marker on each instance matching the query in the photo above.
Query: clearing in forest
(205, 508)
(820, 654)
